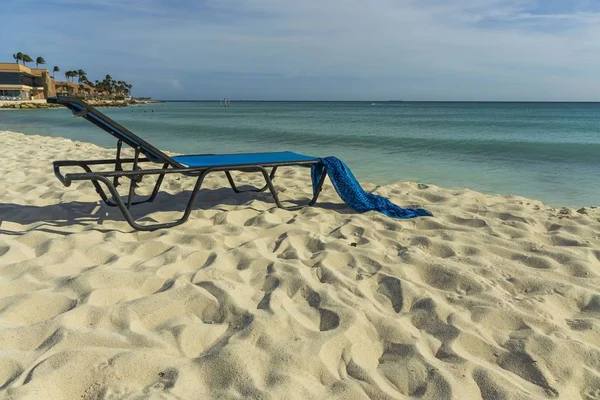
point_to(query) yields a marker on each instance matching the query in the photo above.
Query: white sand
(495, 297)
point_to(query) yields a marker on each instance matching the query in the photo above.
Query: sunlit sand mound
(495, 297)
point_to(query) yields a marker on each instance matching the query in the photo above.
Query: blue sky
(319, 49)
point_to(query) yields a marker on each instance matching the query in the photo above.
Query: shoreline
(36, 105)
(511, 196)
(493, 296)
(556, 204)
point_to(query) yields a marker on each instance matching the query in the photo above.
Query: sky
(431, 50)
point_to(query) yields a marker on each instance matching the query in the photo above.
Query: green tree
(54, 70)
(81, 75)
(39, 61)
(27, 59)
(18, 57)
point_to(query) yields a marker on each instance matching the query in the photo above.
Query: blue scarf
(353, 194)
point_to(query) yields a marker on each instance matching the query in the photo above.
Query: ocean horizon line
(383, 101)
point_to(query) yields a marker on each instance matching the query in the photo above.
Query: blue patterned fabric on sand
(353, 194)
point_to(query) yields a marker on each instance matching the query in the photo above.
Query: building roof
(14, 67)
(38, 71)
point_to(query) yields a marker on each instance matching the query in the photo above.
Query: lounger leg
(235, 189)
(130, 203)
(148, 199)
(129, 218)
(118, 166)
(132, 181)
(269, 184)
(98, 188)
(157, 185)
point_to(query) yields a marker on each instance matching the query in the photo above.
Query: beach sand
(496, 297)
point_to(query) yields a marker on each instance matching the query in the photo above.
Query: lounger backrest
(79, 107)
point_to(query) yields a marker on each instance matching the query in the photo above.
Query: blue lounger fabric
(353, 194)
(217, 160)
(341, 177)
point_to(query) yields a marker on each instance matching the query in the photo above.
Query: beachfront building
(18, 82)
(74, 89)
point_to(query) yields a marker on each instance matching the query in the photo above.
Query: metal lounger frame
(111, 178)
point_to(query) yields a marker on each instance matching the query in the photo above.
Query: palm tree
(107, 84)
(18, 57)
(39, 61)
(54, 70)
(26, 59)
(81, 76)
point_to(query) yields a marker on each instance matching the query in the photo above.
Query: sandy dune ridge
(496, 297)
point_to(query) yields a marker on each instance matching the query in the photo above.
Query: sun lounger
(197, 166)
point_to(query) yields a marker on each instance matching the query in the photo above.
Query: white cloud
(465, 46)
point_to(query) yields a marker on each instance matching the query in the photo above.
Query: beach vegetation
(27, 59)
(18, 57)
(39, 61)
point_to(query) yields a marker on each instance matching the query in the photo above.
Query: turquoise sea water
(545, 151)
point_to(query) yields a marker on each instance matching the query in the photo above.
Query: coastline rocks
(24, 105)
(118, 103)
(27, 106)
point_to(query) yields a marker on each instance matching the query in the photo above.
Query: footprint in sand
(412, 375)
(523, 365)
(391, 288)
(328, 319)
(308, 316)
(491, 385)
(271, 283)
